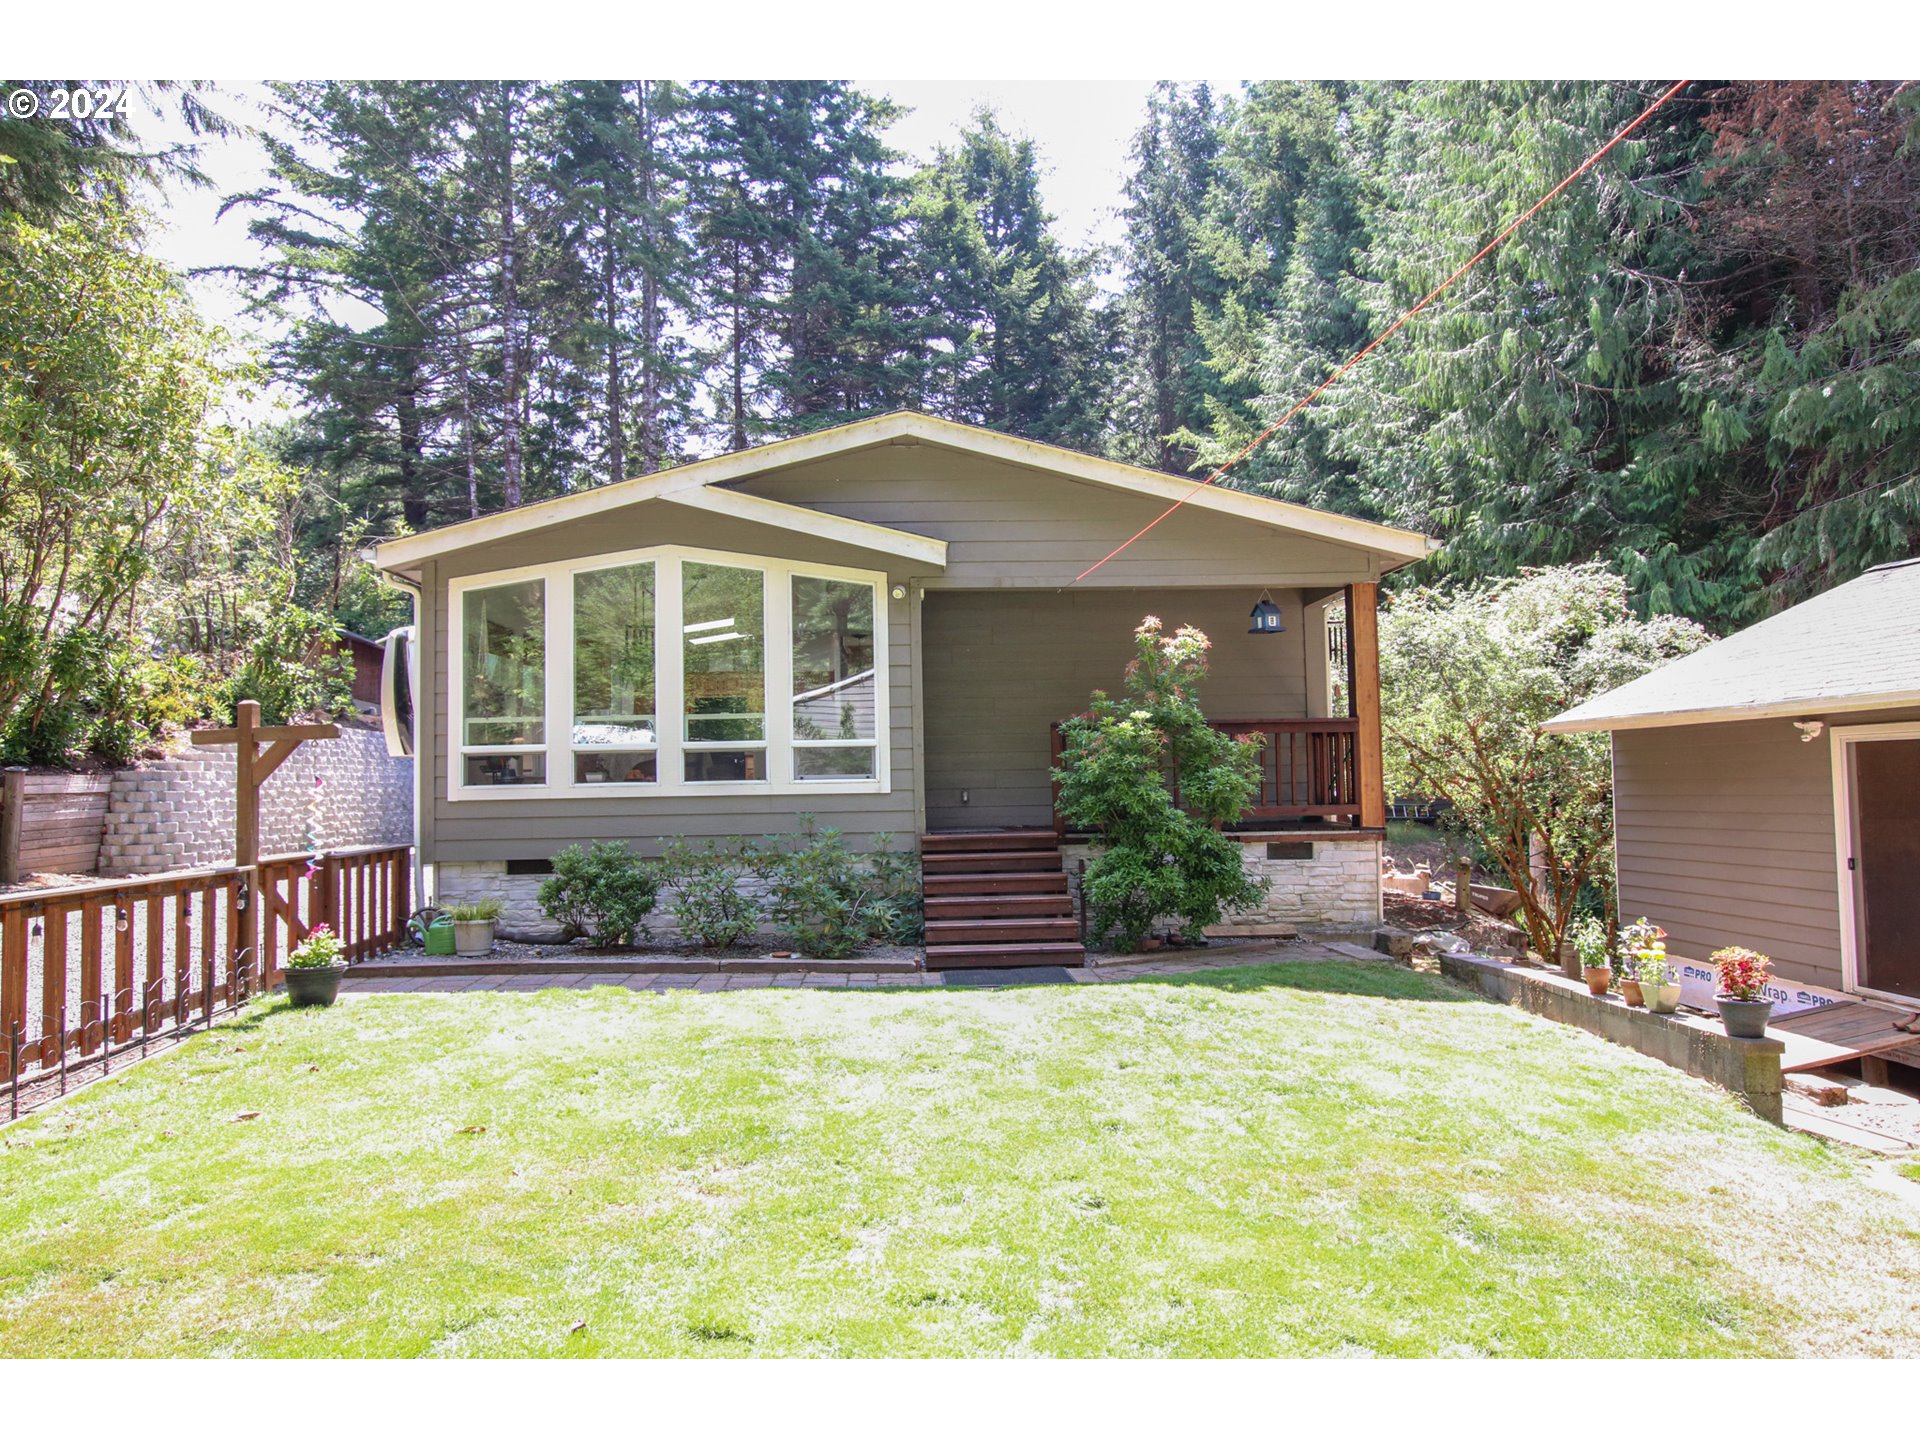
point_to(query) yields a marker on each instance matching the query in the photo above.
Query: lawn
(1301, 1159)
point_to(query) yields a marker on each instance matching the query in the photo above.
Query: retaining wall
(178, 813)
(1749, 1068)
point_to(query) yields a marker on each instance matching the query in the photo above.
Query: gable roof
(1857, 647)
(701, 483)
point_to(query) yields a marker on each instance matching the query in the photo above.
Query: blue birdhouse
(1266, 617)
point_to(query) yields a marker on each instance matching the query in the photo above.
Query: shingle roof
(1855, 647)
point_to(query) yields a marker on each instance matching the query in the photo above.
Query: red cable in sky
(1386, 334)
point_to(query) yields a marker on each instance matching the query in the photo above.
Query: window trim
(669, 689)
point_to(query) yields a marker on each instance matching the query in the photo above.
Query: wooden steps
(997, 898)
(1030, 883)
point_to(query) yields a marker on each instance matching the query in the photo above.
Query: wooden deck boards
(1833, 1033)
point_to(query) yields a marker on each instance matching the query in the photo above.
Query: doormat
(1011, 975)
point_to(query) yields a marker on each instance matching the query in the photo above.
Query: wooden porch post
(1363, 699)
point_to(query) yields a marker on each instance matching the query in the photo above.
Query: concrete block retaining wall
(177, 813)
(1749, 1068)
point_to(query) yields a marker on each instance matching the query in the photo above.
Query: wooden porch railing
(96, 967)
(1308, 768)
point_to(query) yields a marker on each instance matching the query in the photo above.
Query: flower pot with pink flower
(1742, 996)
(315, 967)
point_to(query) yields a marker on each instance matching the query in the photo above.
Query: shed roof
(1857, 647)
(703, 483)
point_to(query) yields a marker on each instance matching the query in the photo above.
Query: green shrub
(709, 900)
(1159, 858)
(604, 892)
(293, 668)
(823, 900)
(896, 881)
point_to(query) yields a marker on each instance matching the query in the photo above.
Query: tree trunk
(610, 298)
(739, 365)
(413, 499)
(652, 443)
(509, 306)
(466, 434)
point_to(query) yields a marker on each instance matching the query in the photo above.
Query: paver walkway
(364, 983)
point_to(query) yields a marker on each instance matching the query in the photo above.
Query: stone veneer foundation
(1335, 885)
(1320, 879)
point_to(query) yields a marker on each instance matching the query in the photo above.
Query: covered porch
(1003, 668)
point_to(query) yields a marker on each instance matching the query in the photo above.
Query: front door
(1882, 789)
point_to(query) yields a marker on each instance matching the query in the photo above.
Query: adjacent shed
(1767, 789)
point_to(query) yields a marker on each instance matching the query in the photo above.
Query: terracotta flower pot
(1662, 999)
(314, 984)
(1744, 1019)
(1599, 978)
(1631, 993)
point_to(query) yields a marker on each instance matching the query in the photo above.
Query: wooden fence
(50, 823)
(92, 968)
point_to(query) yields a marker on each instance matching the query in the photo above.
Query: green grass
(1310, 1159)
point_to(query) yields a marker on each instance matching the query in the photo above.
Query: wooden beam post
(251, 769)
(13, 800)
(1363, 692)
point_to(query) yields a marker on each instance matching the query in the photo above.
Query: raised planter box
(1749, 1068)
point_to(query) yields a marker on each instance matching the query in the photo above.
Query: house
(1766, 789)
(879, 625)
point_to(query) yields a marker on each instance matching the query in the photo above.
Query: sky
(1082, 128)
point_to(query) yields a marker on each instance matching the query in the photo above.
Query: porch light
(1266, 617)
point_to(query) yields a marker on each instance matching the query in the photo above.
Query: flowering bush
(319, 951)
(1743, 973)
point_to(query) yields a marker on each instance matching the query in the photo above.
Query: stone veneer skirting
(177, 813)
(1337, 886)
(455, 881)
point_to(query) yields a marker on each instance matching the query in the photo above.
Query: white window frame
(669, 653)
(1841, 737)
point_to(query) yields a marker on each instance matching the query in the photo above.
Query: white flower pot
(472, 937)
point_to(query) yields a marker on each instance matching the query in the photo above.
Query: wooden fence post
(13, 799)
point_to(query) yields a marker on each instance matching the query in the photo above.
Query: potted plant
(1590, 944)
(473, 924)
(1743, 976)
(1657, 982)
(1643, 949)
(314, 968)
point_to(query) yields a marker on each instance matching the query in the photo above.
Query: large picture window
(668, 670)
(834, 679)
(615, 723)
(503, 671)
(724, 671)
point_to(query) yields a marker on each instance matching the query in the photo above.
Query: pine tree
(1021, 347)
